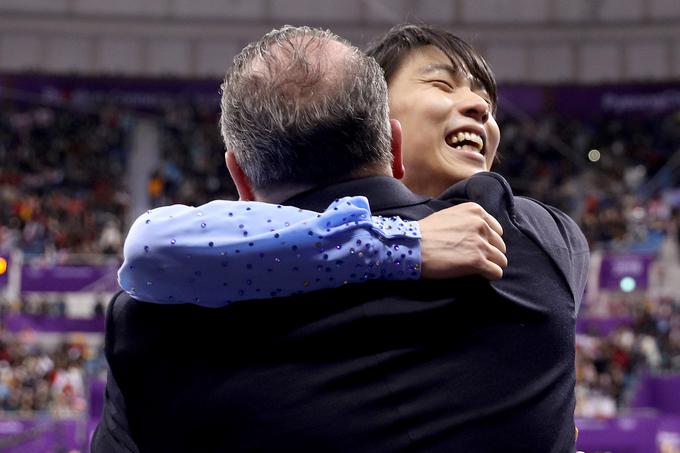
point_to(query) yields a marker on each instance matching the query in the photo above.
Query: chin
(462, 174)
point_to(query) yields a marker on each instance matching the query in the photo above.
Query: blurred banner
(626, 272)
(59, 278)
(48, 324)
(152, 94)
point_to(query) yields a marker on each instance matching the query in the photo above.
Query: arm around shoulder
(226, 251)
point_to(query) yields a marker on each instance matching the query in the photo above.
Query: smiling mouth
(466, 141)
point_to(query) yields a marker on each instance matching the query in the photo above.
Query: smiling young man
(444, 95)
(448, 128)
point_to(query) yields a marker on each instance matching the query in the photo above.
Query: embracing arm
(225, 251)
(228, 250)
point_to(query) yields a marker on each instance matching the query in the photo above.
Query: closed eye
(443, 84)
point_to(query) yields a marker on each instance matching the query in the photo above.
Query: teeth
(466, 136)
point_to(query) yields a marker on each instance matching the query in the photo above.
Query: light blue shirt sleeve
(226, 251)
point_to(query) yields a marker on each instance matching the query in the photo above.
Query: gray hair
(295, 118)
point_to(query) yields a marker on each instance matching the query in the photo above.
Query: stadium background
(109, 108)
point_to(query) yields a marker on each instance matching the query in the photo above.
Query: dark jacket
(453, 366)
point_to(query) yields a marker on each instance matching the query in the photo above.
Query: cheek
(413, 133)
(494, 135)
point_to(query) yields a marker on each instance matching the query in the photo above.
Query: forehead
(429, 59)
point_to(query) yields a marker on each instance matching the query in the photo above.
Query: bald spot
(305, 67)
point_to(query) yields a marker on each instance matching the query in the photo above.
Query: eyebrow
(454, 72)
(434, 67)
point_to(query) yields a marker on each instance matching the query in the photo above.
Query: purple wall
(47, 278)
(637, 433)
(18, 322)
(654, 421)
(659, 392)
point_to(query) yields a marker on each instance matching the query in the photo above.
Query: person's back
(445, 366)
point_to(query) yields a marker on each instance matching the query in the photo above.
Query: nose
(474, 106)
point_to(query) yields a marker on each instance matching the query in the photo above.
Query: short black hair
(392, 49)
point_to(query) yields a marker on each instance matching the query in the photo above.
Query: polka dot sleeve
(226, 251)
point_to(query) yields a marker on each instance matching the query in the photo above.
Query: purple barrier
(626, 271)
(620, 435)
(40, 278)
(42, 435)
(18, 322)
(97, 389)
(659, 392)
(638, 433)
(652, 427)
(602, 326)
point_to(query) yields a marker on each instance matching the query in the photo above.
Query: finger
(496, 256)
(492, 271)
(493, 223)
(497, 241)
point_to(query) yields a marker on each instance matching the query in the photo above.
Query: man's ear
(245, 190)
(397, 161)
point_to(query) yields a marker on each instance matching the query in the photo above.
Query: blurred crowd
(62, 185)
(616, 176)
(192, 170)
(608, 366)
(35, 378)
(49, 305)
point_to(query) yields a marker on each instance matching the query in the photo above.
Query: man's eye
(443, 84)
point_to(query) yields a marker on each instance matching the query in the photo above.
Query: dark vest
(459, 365)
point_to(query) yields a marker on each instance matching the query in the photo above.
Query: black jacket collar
(384, 193)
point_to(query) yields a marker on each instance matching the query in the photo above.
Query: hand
(462, 240)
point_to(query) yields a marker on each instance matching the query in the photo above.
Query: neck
(283, 193)
(280, 194)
